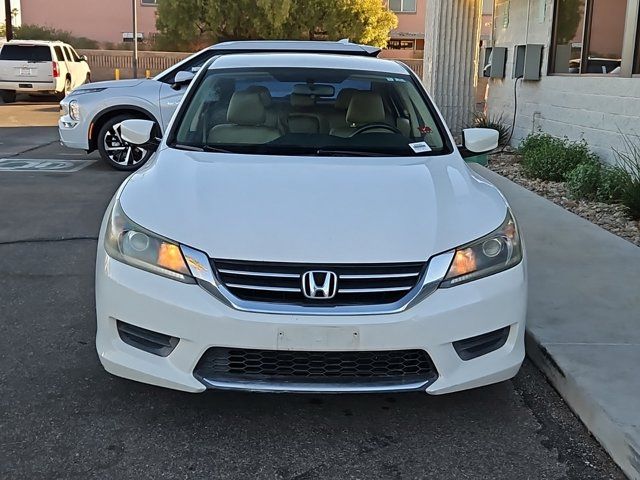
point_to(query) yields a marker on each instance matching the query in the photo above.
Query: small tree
(194, 23)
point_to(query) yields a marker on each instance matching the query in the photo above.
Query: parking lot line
(42, 165)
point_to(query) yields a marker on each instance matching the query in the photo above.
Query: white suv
(39, 67)
(92, 115)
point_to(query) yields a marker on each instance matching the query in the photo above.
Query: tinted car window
(29, 53)
(192, 65)
(59, 53)
(74, 54)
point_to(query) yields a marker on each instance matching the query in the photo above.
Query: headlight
(496, 252)
(136, 246)
(74, 110)
(82, 91)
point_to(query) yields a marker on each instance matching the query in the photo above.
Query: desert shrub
(584, 180)
(37, 32)
(550, 158)
(613, 181)
(495, 122)
(629, 161)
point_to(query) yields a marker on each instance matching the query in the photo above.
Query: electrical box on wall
(527, 61)
(494, 62)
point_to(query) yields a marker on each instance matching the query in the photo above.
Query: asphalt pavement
(63, 417)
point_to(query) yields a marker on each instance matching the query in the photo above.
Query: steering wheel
(374, 126)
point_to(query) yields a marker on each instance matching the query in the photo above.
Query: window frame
(630, 44)
(402, 10)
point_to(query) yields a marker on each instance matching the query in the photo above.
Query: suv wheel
(8, 96)
(116, 152)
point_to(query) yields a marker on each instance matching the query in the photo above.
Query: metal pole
(135, 38)
(8, 19)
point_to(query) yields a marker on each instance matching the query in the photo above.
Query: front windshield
(307, 111)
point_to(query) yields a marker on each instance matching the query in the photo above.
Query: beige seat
(303, 117)
(338, 117)
(364, 108)
(246, 118)
(272, 117)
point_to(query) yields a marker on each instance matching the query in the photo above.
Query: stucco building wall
(594, 107)
(101, 21)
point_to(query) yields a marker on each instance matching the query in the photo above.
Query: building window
(588, 36)
(401, 44)
(149, 2)
(403, 6)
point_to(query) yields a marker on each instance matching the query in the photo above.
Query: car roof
(299, 60)
(341, 47)
(34, 42)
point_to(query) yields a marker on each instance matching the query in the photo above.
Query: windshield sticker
(420, 147)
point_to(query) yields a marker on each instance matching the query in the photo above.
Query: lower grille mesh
(225, 363)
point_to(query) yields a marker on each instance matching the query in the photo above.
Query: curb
(624, 451)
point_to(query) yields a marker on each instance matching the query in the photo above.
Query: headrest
(265, 94)
(299, 100)
(366, 107)
(344, 98)
(246, 108)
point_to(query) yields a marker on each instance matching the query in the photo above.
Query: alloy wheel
(121, 152)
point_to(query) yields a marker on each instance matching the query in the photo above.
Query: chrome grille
(361, 284)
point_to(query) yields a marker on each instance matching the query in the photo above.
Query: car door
(71, 67)
(170, 98)
(80, 68)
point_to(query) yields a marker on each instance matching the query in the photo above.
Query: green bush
(495, 122)
(551, 158)
(584, 180)
(613, 182)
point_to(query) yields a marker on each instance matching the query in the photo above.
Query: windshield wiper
(204, 148)
(354, 153)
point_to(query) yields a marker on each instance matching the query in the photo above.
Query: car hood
(311, 209)
(112, 84)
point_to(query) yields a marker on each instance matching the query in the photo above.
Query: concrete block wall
(594, 107)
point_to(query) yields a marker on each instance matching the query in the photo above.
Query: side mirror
(182, 78)
(138, 132)
(84, 58)
(476, 141)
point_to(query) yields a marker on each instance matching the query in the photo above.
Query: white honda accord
(309, 225)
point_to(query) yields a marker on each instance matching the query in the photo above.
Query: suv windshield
(27, 53)
(307, 111)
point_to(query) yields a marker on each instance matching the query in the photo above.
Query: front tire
(8, 96)
(117, 153)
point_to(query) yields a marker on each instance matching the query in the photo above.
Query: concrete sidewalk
(583, 326)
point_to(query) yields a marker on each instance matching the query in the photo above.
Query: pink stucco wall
(104, 21)
(412, 22)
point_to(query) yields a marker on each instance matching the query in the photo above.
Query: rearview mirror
(318, 90)
(138, 132)
(476, 141)
(182, 78)
(84, 58)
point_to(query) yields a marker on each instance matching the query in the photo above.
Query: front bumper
(73, 133)
(200, 322)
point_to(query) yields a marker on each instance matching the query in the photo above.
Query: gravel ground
(613, 218)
